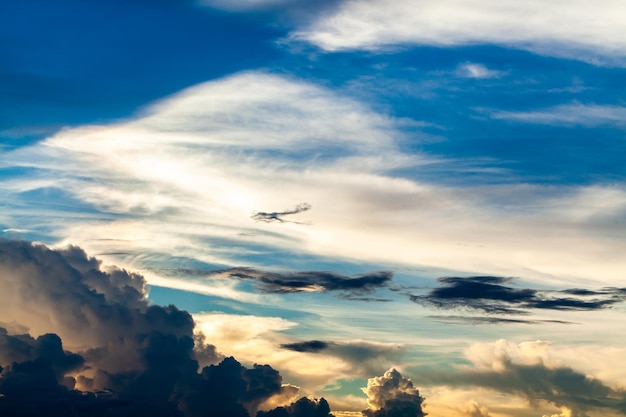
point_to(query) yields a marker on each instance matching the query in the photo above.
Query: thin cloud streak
(576, 114)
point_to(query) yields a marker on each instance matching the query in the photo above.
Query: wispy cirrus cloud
(575, 114)
(572, 29)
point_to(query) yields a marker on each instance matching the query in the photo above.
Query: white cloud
(572, 28)
(575, 114)
(479, 71)
(183, 178)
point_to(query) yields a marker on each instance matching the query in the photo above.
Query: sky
(286, 208)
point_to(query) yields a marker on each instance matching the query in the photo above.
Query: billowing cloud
(394, 396)
(304, 407)
(310, 281)
(123, 356)
(490, 295)
(573, 29)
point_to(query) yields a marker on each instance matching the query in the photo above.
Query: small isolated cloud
(392, 395)
(479, 71)
(490, 294)
(575, 114)
(310, 346)
(310, 281)
(277, 216)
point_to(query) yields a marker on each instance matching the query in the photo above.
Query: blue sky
(436, 187)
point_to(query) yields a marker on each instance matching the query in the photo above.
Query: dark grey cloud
(304, 407)
(311, 281)
(312, 346)
(493, 295)
(278, 216)
(104, 351)
(392, 395)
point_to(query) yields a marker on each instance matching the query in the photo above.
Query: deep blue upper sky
(80, 62)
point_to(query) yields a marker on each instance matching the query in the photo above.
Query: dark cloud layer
(104, 350)
(312, 281)
(491, 295)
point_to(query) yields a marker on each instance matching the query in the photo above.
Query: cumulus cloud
(304, 407)
(393, 395)
(310, 281)
(490, 295)
(572, 29)
(103, 346)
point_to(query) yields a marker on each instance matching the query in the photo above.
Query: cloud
(531, 370)
(312, 346)
(489, 294)
(181, 179)
(277, 216)
(570, 115)
(475, 410)
(479, 71)
(304, 407)
(393, 395)
(572, 29)
(103, 346)
(473, 320)
(310, 281)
